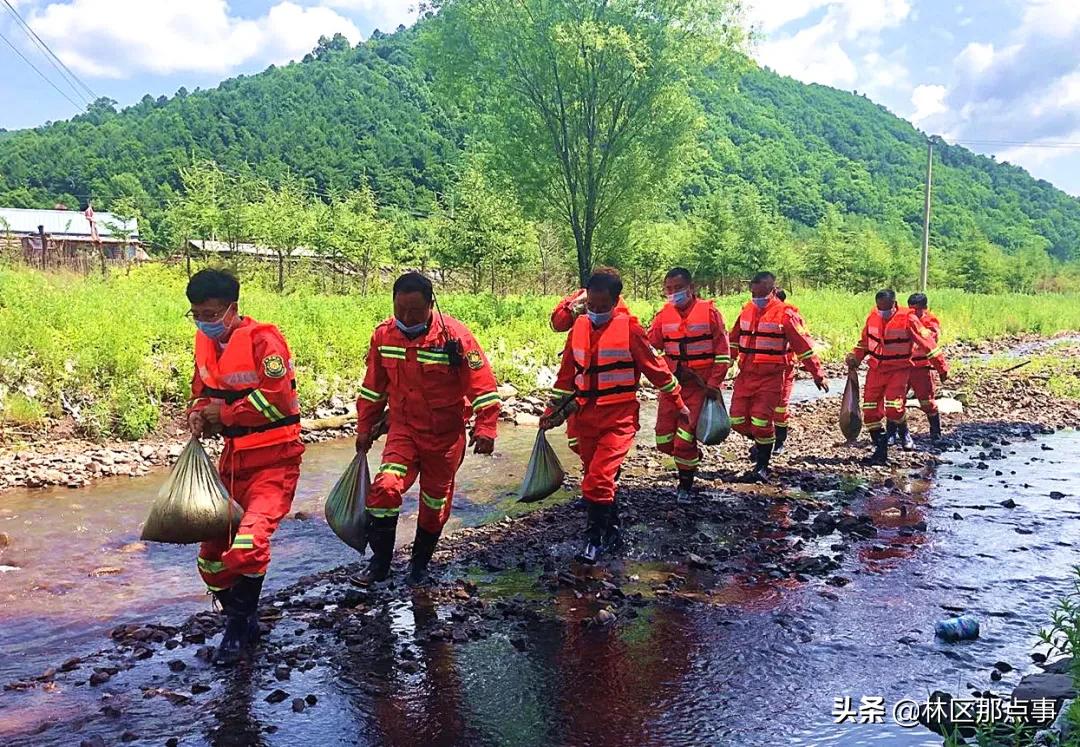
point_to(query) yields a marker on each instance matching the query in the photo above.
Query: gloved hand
(821, 384)
(363, 442)
(851, 361)
(685, 412)
(482, 444)
(944, 375)
(712, 392)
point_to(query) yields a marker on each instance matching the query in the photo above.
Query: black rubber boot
(781, 437)
(613, 535)
(422, 550)
(684, 493)
(381, 533)
(881, 447)
(240, 604)
(935, 426)
(890, 433)
(903, 437)
(760, 472)
(596, 531)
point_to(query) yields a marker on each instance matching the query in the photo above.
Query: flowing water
(761, 664)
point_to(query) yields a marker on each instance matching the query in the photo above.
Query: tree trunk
(584, 259)
(281, 272)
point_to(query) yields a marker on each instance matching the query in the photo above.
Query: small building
(69, 234)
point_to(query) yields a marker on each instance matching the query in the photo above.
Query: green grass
(119, 349)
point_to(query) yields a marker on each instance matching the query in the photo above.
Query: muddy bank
(51, 459)
(509, 585)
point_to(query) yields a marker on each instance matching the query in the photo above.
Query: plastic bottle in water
(962, 628)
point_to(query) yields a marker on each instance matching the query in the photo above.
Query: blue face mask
(213, 330)
(887, 314)
(679, 298)
(599, 320)
(414, 331)
(761, 303)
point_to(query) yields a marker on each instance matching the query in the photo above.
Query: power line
(56, 62)
(1019, 143)
(78, 107)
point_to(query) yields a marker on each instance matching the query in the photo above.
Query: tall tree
(587, 103)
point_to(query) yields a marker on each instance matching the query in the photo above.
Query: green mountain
(346, 116)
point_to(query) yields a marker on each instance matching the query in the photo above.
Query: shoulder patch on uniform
(474, 359)
(274, 366)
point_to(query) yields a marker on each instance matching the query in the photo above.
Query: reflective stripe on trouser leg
(440, 457)
(266, 495)
(922, 383)
(395, 475)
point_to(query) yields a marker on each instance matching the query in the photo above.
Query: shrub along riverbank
(115, 353)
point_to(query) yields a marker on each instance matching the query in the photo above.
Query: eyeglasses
(207, 319)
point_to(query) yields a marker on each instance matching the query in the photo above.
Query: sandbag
(714, 423)
(345, 505)
(193, 504)
(851, 409)
(544, 475)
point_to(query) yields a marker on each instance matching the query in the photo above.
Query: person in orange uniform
(605, 355)
(562, 320)
(767, 332)
(891, 337)
(693, 337)
(434, 377)
(922, 379)
(244, 389)
(781, 422)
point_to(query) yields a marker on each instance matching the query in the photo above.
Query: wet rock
(5, 540)
(128, 736)
(1008, 503)
(133, 547)
(301, 516)
(605, 617)
(696, 561)
(1003, 666)
(1046, 685)
(995, 675)
(70, 664)
(1054, 494)
(172, 742)
(106, 570)
(94, 741)
(282, 673)
(409, 667)
(276, 697)
(198, 688)
(99, 678)
(177, 666)
(298, 705)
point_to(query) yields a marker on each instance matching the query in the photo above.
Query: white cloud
(813, 55)
(824, 51)
(975, 58)
(1054, 18)
(928, 101)
(385, 15)
(121, 38)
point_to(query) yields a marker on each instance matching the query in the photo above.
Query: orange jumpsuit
(605, 379)
(764, 340)
(562, 320)
(922, 380)
(891, 347)
(430, 403)
(252, 378)
(695, 346)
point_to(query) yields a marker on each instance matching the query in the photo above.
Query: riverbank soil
(343, 662)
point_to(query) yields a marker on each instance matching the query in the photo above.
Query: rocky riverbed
(508, 579)
(48, 459)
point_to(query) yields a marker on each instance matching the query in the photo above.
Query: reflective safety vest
(761, 335)
(889, 341)
(931, 323)
(614, 377)
(234, 375)
(689, 340)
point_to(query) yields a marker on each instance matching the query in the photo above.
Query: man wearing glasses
(244, 389)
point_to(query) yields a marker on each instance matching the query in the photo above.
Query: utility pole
(924, 269)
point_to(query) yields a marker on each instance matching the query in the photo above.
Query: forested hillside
(817, 182)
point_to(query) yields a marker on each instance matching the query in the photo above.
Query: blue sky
(1000, 77)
